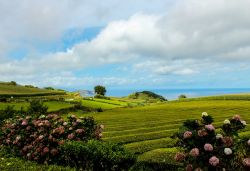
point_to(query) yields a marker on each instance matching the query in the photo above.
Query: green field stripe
(165, 155)
(136, 125)
(141, 137)
(140, 130)
(144, 146)
(245, 134)
(95, 104)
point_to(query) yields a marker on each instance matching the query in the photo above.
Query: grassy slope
(6, 89)
(52, 105)
(148, 128)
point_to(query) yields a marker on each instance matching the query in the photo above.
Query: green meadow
(145, 127)
(147, 130)
(52, 105)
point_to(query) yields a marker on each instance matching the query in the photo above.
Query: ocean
(172, 94)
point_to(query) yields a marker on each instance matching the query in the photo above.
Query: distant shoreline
(173, 94)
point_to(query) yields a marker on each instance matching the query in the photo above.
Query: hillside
(147, 130)
(146, 95)
(9, 89)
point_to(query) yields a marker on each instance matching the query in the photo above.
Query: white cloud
(193, 30)
(187, 39)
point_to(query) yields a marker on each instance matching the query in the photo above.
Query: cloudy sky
(126, 44)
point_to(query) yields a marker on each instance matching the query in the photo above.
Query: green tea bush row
(95, 155)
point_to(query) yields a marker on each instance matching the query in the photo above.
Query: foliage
(159, 159)
(203, 149)
(13, 83)
(8, 112)
(16, 164)
(98, 96)
(38, 139)
(96, 155)
(37, 108)
(30, 86)
(49, 88)
(182, 96)
(100, 90)
(147, 95)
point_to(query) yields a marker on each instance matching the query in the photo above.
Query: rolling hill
(12, 90)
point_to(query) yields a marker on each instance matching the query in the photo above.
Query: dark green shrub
(13, 83)
(155, 166)
(96, 155)
(99, 109)
(98, 96)
(49, 88)
(182, 96)
(8, 112)
(37, 108)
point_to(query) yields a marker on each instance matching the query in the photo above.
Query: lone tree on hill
(100, 90)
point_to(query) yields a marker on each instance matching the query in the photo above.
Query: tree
(100, 90)
(182, 96)
(13, 83)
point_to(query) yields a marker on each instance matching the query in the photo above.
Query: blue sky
(143, 44)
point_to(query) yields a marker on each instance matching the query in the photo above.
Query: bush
(37, 108)
(96, 155)
(182, 96)
(13, 83)
(8, 112)
(98, 96)
(38, 139)
(203, 149)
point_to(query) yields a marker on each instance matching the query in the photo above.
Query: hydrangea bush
(205, 148)
(39, 139)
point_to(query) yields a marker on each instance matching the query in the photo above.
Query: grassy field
(52, 105)
(146, 130)
(18, 90)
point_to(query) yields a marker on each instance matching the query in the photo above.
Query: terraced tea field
(146, 130)
(52, 105)
(7, 90)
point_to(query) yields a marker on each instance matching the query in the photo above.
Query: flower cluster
(204, 149)
(39, 139)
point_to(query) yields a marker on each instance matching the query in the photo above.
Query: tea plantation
(147, 130)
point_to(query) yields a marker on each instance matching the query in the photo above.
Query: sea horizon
(172, 94)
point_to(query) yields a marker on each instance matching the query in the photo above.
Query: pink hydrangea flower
(45, 150)
(210, 127)
(236, 117)
(189, 167)
(202, 133)
(187, 134)
(40, 137)
(24, 122)
(214, 161)
(54, 152)
(246, 162)
(28, 128)
(78, 120)
(179, 157)
(208, 147)
(79, 131)
(195, 152)
(71, 136)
